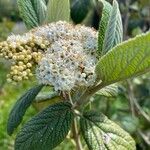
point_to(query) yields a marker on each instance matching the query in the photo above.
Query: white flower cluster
(65, 55)
(70, 60)
(63, 30)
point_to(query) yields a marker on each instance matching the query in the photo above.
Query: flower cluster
(65, 55)
(70, 60)
(24, 51)
(66, 65)
(62, 30)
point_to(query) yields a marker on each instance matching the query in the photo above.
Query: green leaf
(33, 12)
(19, 109)
(106, 13)
(46, 96)
(47, 129)
(40, 9)
(58, 10)
(109, 91)
(80, 9)
(128, 59)
(101, 133)
(114, 31)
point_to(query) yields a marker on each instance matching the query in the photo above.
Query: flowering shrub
(77, 62)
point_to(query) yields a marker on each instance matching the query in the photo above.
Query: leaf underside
(109, 91)
(114, 31)
(58, 10)
(128, 59)
(19, 109)
(33, 12)
(100, 133)
(47, 129)
(41, 10)
(110, 29)
(106, 12)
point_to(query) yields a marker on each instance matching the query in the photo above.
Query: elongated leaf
(33, 12)
(114, 32)
(47, 129)
(128, 59)
(40, 9)
(80, 9)
(109, 91)
(100, 133)
(106, 13)
(58, 10)
(19, 109)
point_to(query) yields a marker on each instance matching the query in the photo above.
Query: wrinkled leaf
(40, 9)
(114, 31)
(106, 12)
(47, 129)
(58, 10)
(100, 133)
(19, 109)
(109, 91)
(33, 12)
(128, 59)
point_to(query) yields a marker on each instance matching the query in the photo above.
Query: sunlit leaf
(128, 59)
(109, 91)
(58, 10)
(100, 133)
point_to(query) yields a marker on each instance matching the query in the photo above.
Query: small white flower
(65, 54)
(67, 65)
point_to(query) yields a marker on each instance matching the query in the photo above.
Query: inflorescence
(64, 55)
(24, 51)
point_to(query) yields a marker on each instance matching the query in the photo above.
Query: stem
(131, 97)
(85, 97)
(126, 20)
(145, 138)
(141, 111)
(76, 136)
(70, 98)
(134, 102)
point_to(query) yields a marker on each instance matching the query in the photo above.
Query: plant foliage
(80, 9)
(47, 129)
(101, 133)
(111, 29)
(128, 59)
(106, 12)
(56, 13)
(109, 91)
(19, 109)
(33, 12)
(117, 61)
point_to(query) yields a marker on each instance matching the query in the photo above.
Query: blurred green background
(132, 115)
